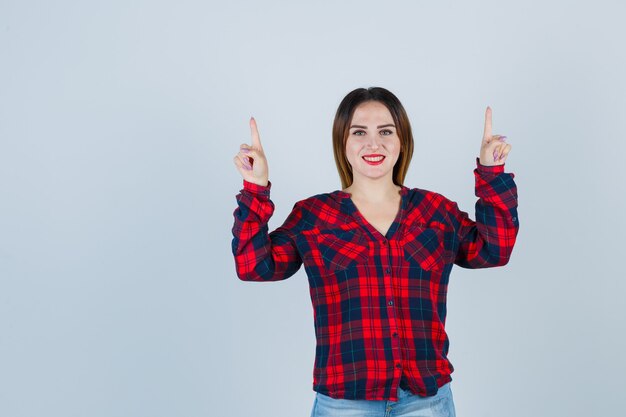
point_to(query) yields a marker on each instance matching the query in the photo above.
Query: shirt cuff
(484, 169)
(257, 189)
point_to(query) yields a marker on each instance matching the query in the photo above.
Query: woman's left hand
(494, 149)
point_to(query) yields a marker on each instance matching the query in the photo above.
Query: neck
(373, 190)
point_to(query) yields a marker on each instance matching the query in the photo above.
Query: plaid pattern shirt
(379, 302)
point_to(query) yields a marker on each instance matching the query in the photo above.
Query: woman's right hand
(250, 160)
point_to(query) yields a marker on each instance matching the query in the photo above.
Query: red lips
(374, 156)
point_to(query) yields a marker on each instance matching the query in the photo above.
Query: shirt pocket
(341, 249)
(424, 246)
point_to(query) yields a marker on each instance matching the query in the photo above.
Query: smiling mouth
(374, 160)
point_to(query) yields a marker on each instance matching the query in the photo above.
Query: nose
(372, 141)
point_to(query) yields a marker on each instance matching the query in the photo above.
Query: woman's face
(373, 145)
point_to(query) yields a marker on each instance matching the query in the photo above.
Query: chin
(375, 176)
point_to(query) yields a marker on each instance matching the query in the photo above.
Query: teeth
(373, 159)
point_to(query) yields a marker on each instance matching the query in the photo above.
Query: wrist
(257, 188)
(496, 169)
(257, 183)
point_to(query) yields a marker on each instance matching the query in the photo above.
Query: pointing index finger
(487, 133)
(254, 131)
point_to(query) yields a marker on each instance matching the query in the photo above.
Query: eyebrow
(377, 127)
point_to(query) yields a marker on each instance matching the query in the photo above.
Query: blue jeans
(408, 405)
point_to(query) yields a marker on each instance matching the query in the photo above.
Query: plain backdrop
(119, 122)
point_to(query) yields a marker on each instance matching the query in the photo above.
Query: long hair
(341, 130)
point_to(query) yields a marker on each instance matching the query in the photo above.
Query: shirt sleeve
(488, 241)
(259, 255)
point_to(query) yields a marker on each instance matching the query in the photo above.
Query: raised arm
(260, 255)
(488, 241)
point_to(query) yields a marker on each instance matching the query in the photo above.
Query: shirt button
(395, 334)
(398, 365)
(384, 241)
(513, 218)
(388, 270)
(390, 302)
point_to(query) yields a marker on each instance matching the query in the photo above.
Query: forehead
(371, 112)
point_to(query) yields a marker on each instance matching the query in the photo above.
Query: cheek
(393, 145)
(396, 150)
(352, 150)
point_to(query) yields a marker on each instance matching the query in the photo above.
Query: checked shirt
(379, 302)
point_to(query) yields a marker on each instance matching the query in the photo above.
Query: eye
(386, 132)
(358, 132)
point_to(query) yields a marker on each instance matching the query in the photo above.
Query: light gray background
(118, 124)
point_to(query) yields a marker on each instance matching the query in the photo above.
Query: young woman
(378, 257)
